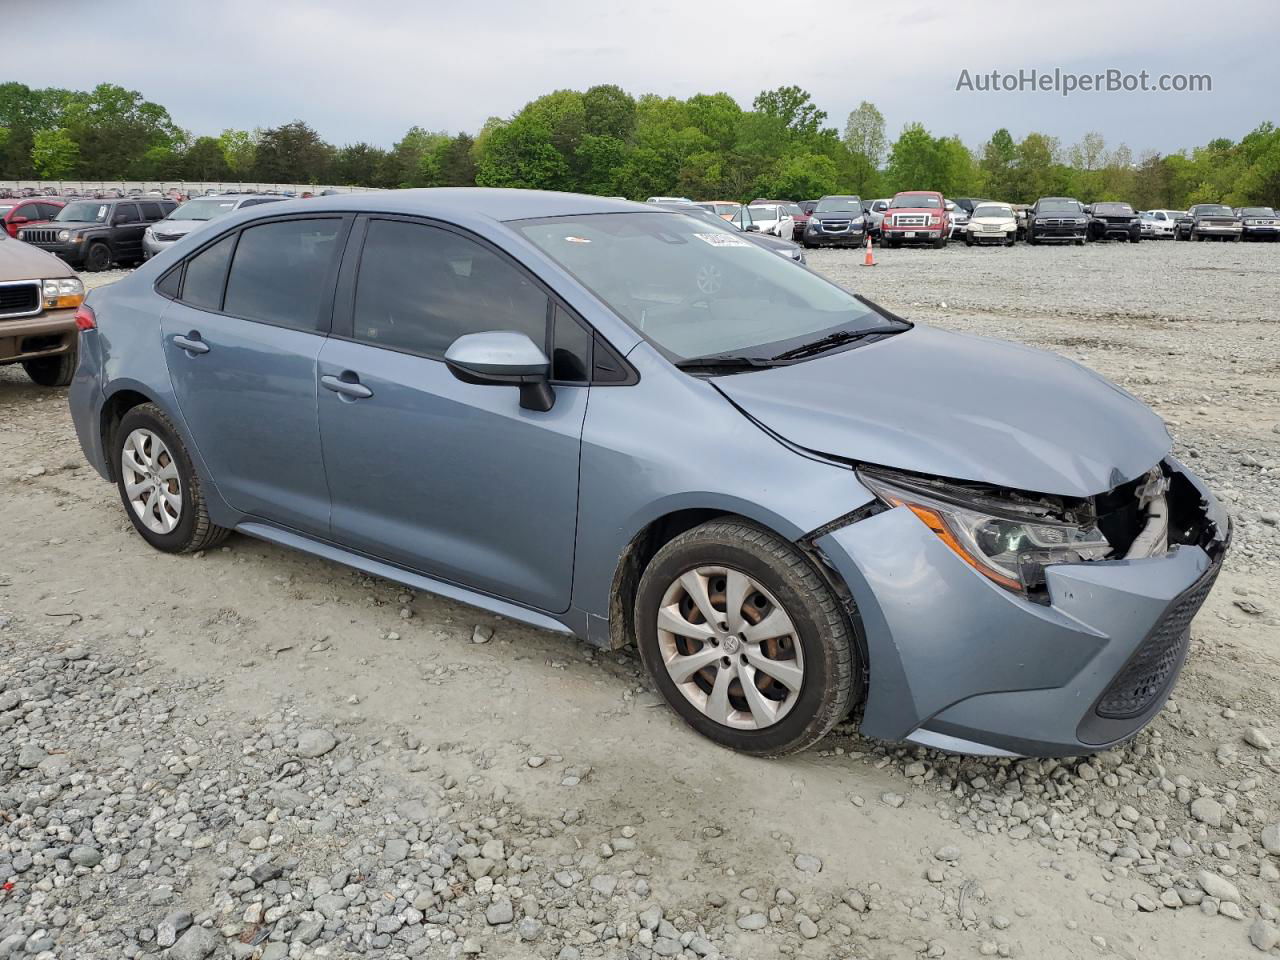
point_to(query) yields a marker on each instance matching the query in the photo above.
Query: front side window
(280, 272)
(421, 287)
(126, 213)
(696, 289)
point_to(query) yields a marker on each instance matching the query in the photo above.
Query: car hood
(771, 242)
(962, 407)
(177, 226)
(993, 221)
(21, 261)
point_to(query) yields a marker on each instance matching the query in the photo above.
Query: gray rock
(171, 927)
(30, 756)
(806, 863)
(1218, 887)
(395, 850)
(499, 912)
(753, 921)
(1263, 935)
(196, 944)
(1208, 811)
(1271, 838)
(528, 929)
(315, 743)
(84, 856)
(947, 854)
(1256, 738)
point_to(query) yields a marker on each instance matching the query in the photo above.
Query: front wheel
(160, 489)
(744, 639)
(51, 371)
(968, 240)
(97, 257)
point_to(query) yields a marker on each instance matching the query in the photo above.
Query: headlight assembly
(64, 236)
(1009, 542)
(64, 292)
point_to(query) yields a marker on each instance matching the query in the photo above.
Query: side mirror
(504, 357)
(752, 228)
(19, 220)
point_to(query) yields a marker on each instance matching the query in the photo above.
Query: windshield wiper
(723, 361)
(831, 340)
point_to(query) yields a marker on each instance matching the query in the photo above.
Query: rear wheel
(97, 257)
(744, 639)
(52, 371)
(160, 490)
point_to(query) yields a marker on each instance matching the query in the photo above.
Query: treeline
(605, 141)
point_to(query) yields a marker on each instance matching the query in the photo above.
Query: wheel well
(113, 412)
(636, 556)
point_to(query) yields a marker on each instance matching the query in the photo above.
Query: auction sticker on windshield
(722, 240)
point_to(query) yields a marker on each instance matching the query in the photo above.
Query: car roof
(490, 202)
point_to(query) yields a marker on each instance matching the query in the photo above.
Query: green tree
(864, 132)
(999, 156)
(609, 111)
(204, 160)
(1037, 172)
(54, 153)
(359, 164)
(455, 162)
(240, 150)
(805, 176)
(793, 107)
(114, 129)
(520, 154)
(292, 153)
(403, 166)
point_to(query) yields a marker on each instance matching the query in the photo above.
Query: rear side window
(151, 211)
(206, 275)
(280, 272)
(420, 288)
(125, 213)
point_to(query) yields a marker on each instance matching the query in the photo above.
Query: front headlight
(64, 236)
(1008, 542)
(856, 221)
(63, 293)
(149, 233)
(1081, 221)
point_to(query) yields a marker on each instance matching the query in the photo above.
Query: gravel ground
(253, 753)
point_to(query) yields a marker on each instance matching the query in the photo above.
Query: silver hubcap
(730, 647)
(151, 482)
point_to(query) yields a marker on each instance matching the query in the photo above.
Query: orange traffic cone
(870, 259)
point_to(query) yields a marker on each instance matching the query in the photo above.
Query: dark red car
(28, 211)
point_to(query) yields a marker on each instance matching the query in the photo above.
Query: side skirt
(417, 581)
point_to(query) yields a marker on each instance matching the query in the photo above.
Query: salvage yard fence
(189, 187)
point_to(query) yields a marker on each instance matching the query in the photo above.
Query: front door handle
(191, 343)
(346, 386)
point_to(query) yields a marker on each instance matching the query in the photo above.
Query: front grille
(167, 237)
(910, 219)
(20, 299)
(834, 226)
(36, 235)
(1147, 673)
(1220, 223)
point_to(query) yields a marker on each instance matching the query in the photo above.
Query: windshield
(203, 208)
(1257, 212)
(695, 289)
(1113, 210)
(1213, 210)
(993, 210)
(915, 200)
(84, 211)
(1059, 206)
(764, 213)
(5, 208)
(850, 205)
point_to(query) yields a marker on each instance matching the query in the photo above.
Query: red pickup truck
(916, 216)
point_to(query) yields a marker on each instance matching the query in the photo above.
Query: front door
(452, 479)
(242, 346)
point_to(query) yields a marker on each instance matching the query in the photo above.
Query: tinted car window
(126, 213)
(206, 274)
(49, 210)
(254, 202)
(151, 211)
(279, 272)
(420, 288)
(571, 354)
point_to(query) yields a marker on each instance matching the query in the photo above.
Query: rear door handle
(191, 343)
(351, 388)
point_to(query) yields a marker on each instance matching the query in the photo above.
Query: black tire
(52, 371)
(97, 257)
(1080, 241)
(1011, 241)
(1031, 239)
(968, 240)
(940, 243)
(823, 631)
(194, 531)
(1133, 239)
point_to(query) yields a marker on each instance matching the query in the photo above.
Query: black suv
(93, 234)
(1114, 220)
(1057, 218)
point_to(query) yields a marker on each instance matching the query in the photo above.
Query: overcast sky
(369, 69)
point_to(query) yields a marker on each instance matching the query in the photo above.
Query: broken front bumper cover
(961, 664)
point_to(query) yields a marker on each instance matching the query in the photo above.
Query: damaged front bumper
(957, 662)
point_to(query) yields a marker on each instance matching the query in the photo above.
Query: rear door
(450, 478)
(127, 226)
(241, 342)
